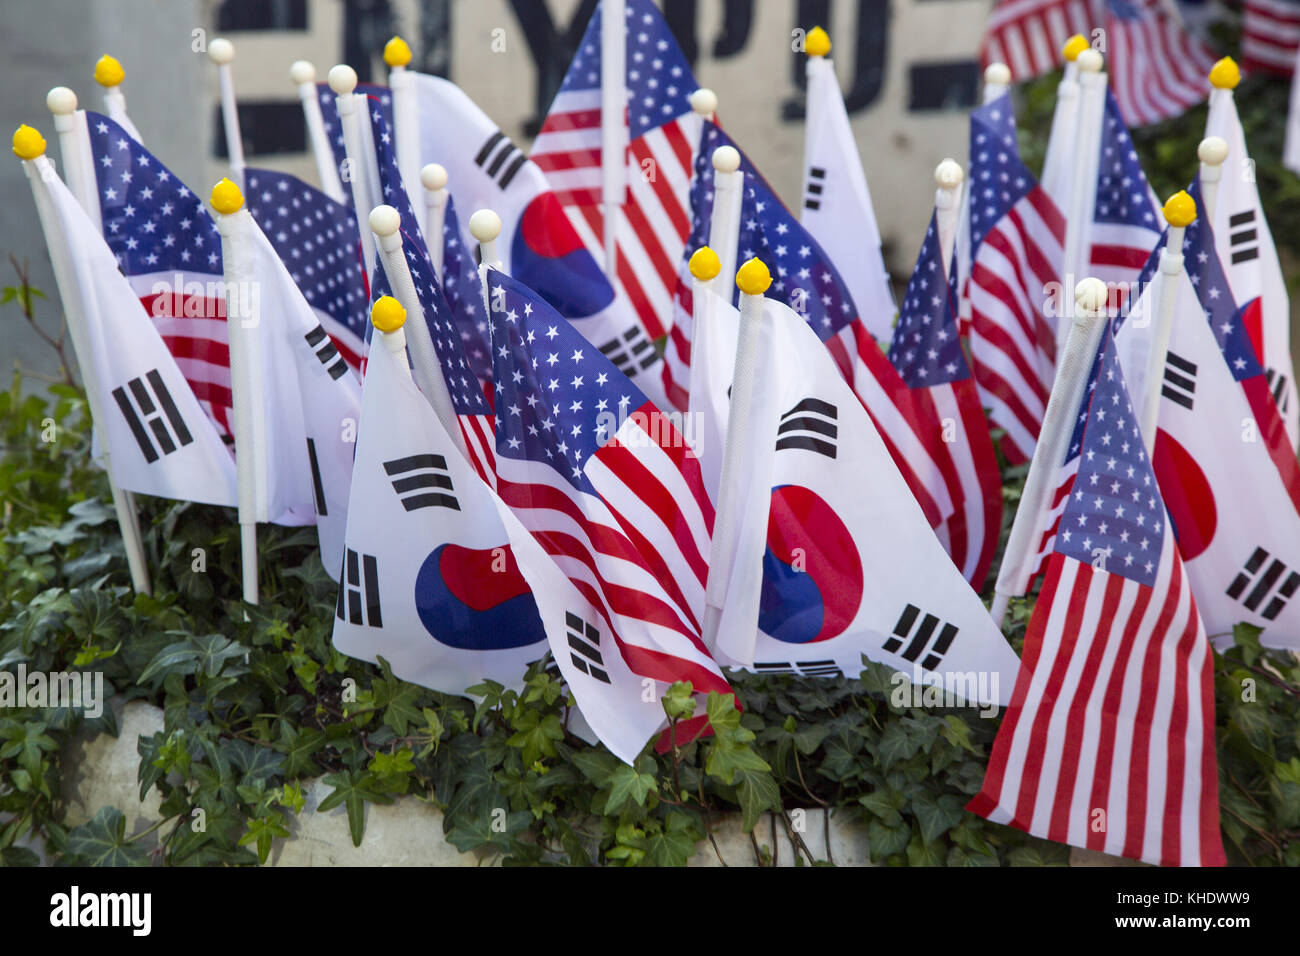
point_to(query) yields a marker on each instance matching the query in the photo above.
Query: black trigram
(326, 352)
(1266, 584)
(1243, 238)
(816, 183)
(632, 352)
(417, 478)
(802, 668)
(318, 487)
(584, 644)
(810, 425)
(1277, 385)
(145, 409)
(500, 156)
(921, 638)
(1180, 380)
(359, 590)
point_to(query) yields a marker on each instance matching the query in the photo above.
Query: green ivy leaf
(352, 788)
(756, 791)
(102, 841)
(628, 783)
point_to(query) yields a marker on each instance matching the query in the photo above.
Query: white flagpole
(361, 171)
(948, 177)
(997, 80)
(1180, 212)
(613, 124)
(406, 116)
(753, 279)
(724, 220)
(704, 268)
(245, 376)
(29, 146)
(386, 224)
(221, 52)
(1083, 182)
(109, 74)
(1065, 122)
(1212, 153)
(1089, 321)
(389, 318)
(303, 75)
(485, 226)
(78, 171)
(433, 178)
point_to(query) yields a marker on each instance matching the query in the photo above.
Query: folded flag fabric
(812, 588)
(464, 294)
(662, 132)
(1109, 740)
(379, 98)
(1270, 36)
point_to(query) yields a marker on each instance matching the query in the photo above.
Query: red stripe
(202, 349)
(674, 205)
(1273, 432)
(180, 305)
(218, 395)
(1171, 848)
(569, 159)
(985, 485)
(681, 145)
(571, 120)
(352, 358)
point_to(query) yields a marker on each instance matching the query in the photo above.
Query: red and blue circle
(548, 256)
(476, 599)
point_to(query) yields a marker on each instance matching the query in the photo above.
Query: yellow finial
(226, 197)
(817, 43)
(753, 277)
(396, 52)
(1225, 74)
(387, 314)
(28, 142)
(109, 72)
(1074, 46)
(704, 264)
(1180, 210)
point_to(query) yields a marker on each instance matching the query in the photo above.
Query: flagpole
(753, 280)
(433, 178)
(77, 171)
(1180, 212)
(1086, 327)
(613, 123)
(222, 52)
(1065, 119)
(704, 268)
(29, 146)
(997, 80)
(245, 380)
(724, 219)
(343, 81)
(1212, 153)
(485, 226)
(109, 74)
(948, 177)
(406, 116)
(704, 103)
(1083, 182)
(303, 75)
(388, 317)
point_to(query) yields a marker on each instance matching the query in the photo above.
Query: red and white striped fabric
(662, 131)
(1018, 236)
(1270, 36)
(1027, 35)
(1157, 66)
(1109, 740)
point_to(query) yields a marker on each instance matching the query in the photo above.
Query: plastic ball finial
(1074, 46)
(1091, 295)
(704, 264)
(342, 79)
(28, 142)
(1089, 61)
(385, 220)
(396, 52)
(948, 174)
(302, 71)
(109, 72)
(485, 225)
(1212, 151)
(1225, 75)
(387, 314)
(61, 101)
(226, 197)
(726, 159)
(753, 277)
(1180, 210)
(704, 101)
(817, 43)
(433, 177)
(998, 74)
(221, 51)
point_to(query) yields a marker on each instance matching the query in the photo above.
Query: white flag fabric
(1246, 250)
(1059, 159)
(305, 402)
(161, 442)
(1228, 477)
(1291, 151)
(837, 206)
(846, 563)
(445, 583)
(538, 244)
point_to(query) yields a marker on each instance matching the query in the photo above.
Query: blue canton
(999, 179)
(926, 348)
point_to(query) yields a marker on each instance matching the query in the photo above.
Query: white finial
(61, 101)
(1089, 61)
(434, 176)
(221, 51)
(704, 101)
(948, 174)
(1212, 151)
(726, 159)
(302, 72)
(485, 225)
(343, 79)
(1091, 295)
(385, 221)
(998, 73)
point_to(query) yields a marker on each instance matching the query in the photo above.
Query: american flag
(926, 350)
(1270, 35)
(1109, 740)
(1157, 65)
(605, 482)
(661, 131)
(464, 294)
(317, 240)
(1126, 221)
(806, 280)
(472, 411)
(170, 250)
(1017, 237)
(380, 98)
